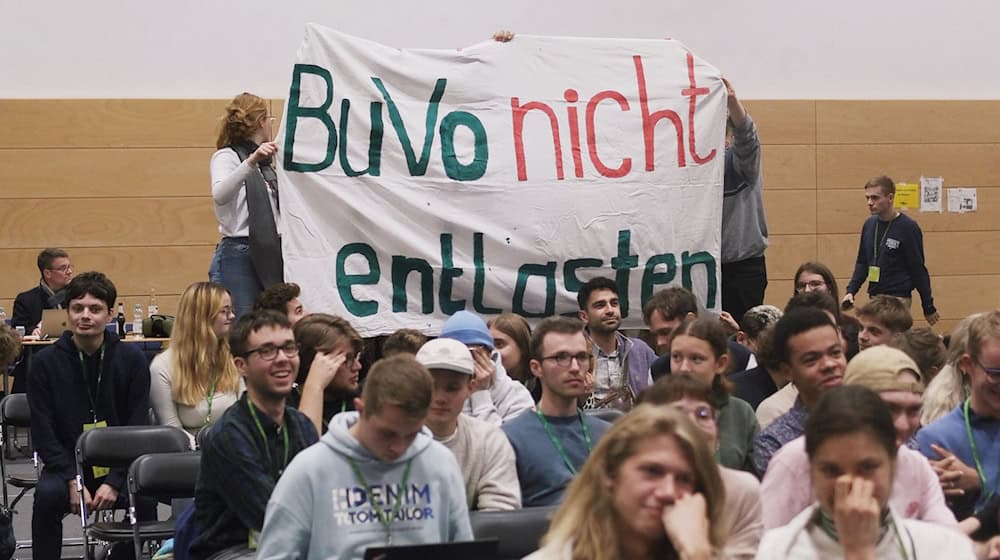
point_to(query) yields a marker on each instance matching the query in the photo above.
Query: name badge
(892, 243)
(874, 273)
(99, 472)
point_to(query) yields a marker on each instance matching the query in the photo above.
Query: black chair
(606, 414)
(118, 447)
(519, 531)
(163, 476)
(15, 413)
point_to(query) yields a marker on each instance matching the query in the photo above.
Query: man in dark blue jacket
(55, 271)
(891, 252)
(87, 379)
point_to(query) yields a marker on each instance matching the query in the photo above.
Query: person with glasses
(245, 199)
(195, 380)
(246, 451)
(553, 442)
(742, 511)
(964, 445)
(55, 272)
(329, 368)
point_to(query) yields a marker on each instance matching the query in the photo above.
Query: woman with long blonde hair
(245, 199)
(195, 380)
(650, 489)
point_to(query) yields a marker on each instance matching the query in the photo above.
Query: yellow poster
(907, 196)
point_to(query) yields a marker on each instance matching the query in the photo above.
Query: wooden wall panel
(789, 166)
(786, 253)
(118, 222)
(784, 122)
(961, 165)
(907, 122)
(790, 211)
(113, 172)
(842, 211)
(947, 253)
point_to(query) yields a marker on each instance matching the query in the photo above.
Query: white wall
(770, 49)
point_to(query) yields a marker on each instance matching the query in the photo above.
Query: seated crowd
(803, 432)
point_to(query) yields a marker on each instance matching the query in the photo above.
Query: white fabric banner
(498, 177)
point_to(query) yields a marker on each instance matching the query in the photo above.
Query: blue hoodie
(320, 510)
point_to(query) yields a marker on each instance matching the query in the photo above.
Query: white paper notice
(962, 200)
(930, 193)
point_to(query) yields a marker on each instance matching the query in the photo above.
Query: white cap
(447, 354)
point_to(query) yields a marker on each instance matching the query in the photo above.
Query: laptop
(485, 549)
(54, 322)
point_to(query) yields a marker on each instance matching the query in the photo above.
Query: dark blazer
(28, 307)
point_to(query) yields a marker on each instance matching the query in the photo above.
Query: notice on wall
(962, 200)
(930, 193)
(907, 196)
(498, 177)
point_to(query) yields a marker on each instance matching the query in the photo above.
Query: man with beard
(621, 369)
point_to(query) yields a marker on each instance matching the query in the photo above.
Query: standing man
(744, 226)
(554, 441)
(891, 252)
(482, 450)
(87, 379)
(621, 369)
(248, 448)
(377, 478)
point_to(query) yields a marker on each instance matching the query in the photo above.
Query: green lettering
(479, 283)
(401, 269)
(651, 278)
(570, 279)
(416, 167)
(295, 112)
(547, 271)
(622, 263)
(374, 140)
(448, 274)
(688, 261)
(345, 281)
(455, 169)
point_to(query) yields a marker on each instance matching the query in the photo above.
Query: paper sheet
(930, 193)
(962, 200)
(907, 196)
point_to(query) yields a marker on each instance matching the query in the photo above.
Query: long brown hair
(241, 120)
(514, 326)
(587, 517)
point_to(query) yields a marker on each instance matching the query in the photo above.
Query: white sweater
(488, 465)
(504, 400)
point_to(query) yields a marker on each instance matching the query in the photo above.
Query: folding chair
(14, 413)
(519, 531)
(163, 476)
(117, 447)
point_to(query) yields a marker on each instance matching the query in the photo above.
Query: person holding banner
(245, 198)
(744, 226)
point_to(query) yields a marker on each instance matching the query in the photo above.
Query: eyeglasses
(64, 268)
(993, 373)
(564, 359)
(269, 352)
(814, 285)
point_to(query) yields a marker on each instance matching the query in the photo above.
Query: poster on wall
(930, 193)
(498, 177)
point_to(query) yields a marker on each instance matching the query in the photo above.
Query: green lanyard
(386, 521)
(975, 455)
(876, 241)
(210, 396)
(86, 382)
(558, 444)
(263, 436)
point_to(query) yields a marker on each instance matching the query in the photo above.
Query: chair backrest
(14, 410)
(519, 531)
(118, 446)
(164, 475)
(606, 414)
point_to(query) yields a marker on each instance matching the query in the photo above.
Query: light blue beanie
(467, 328)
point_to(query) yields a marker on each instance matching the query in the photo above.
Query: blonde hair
(197, 354)
(950, 386)
(241, 120)
(587, 518)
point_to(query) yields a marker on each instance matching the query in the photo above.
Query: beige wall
(123, 185)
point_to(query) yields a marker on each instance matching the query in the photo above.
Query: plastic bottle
(137, 321)
(152, 308)
(121, 320)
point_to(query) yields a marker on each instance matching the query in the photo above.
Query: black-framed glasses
(993, 373)
(564, 359)
(269, 352)
(813, 285)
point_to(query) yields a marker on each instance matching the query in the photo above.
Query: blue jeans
(231, 267)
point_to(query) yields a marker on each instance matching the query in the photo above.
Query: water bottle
(152, 308)
(137, 321)
(121, 320)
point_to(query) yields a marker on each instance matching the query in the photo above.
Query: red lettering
(649, 120)
(519, 112)
(693, 92)
(571, 96)
(604, 170)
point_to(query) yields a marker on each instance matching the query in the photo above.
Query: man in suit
(56, 271)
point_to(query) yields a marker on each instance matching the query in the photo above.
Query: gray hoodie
(320, 510)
